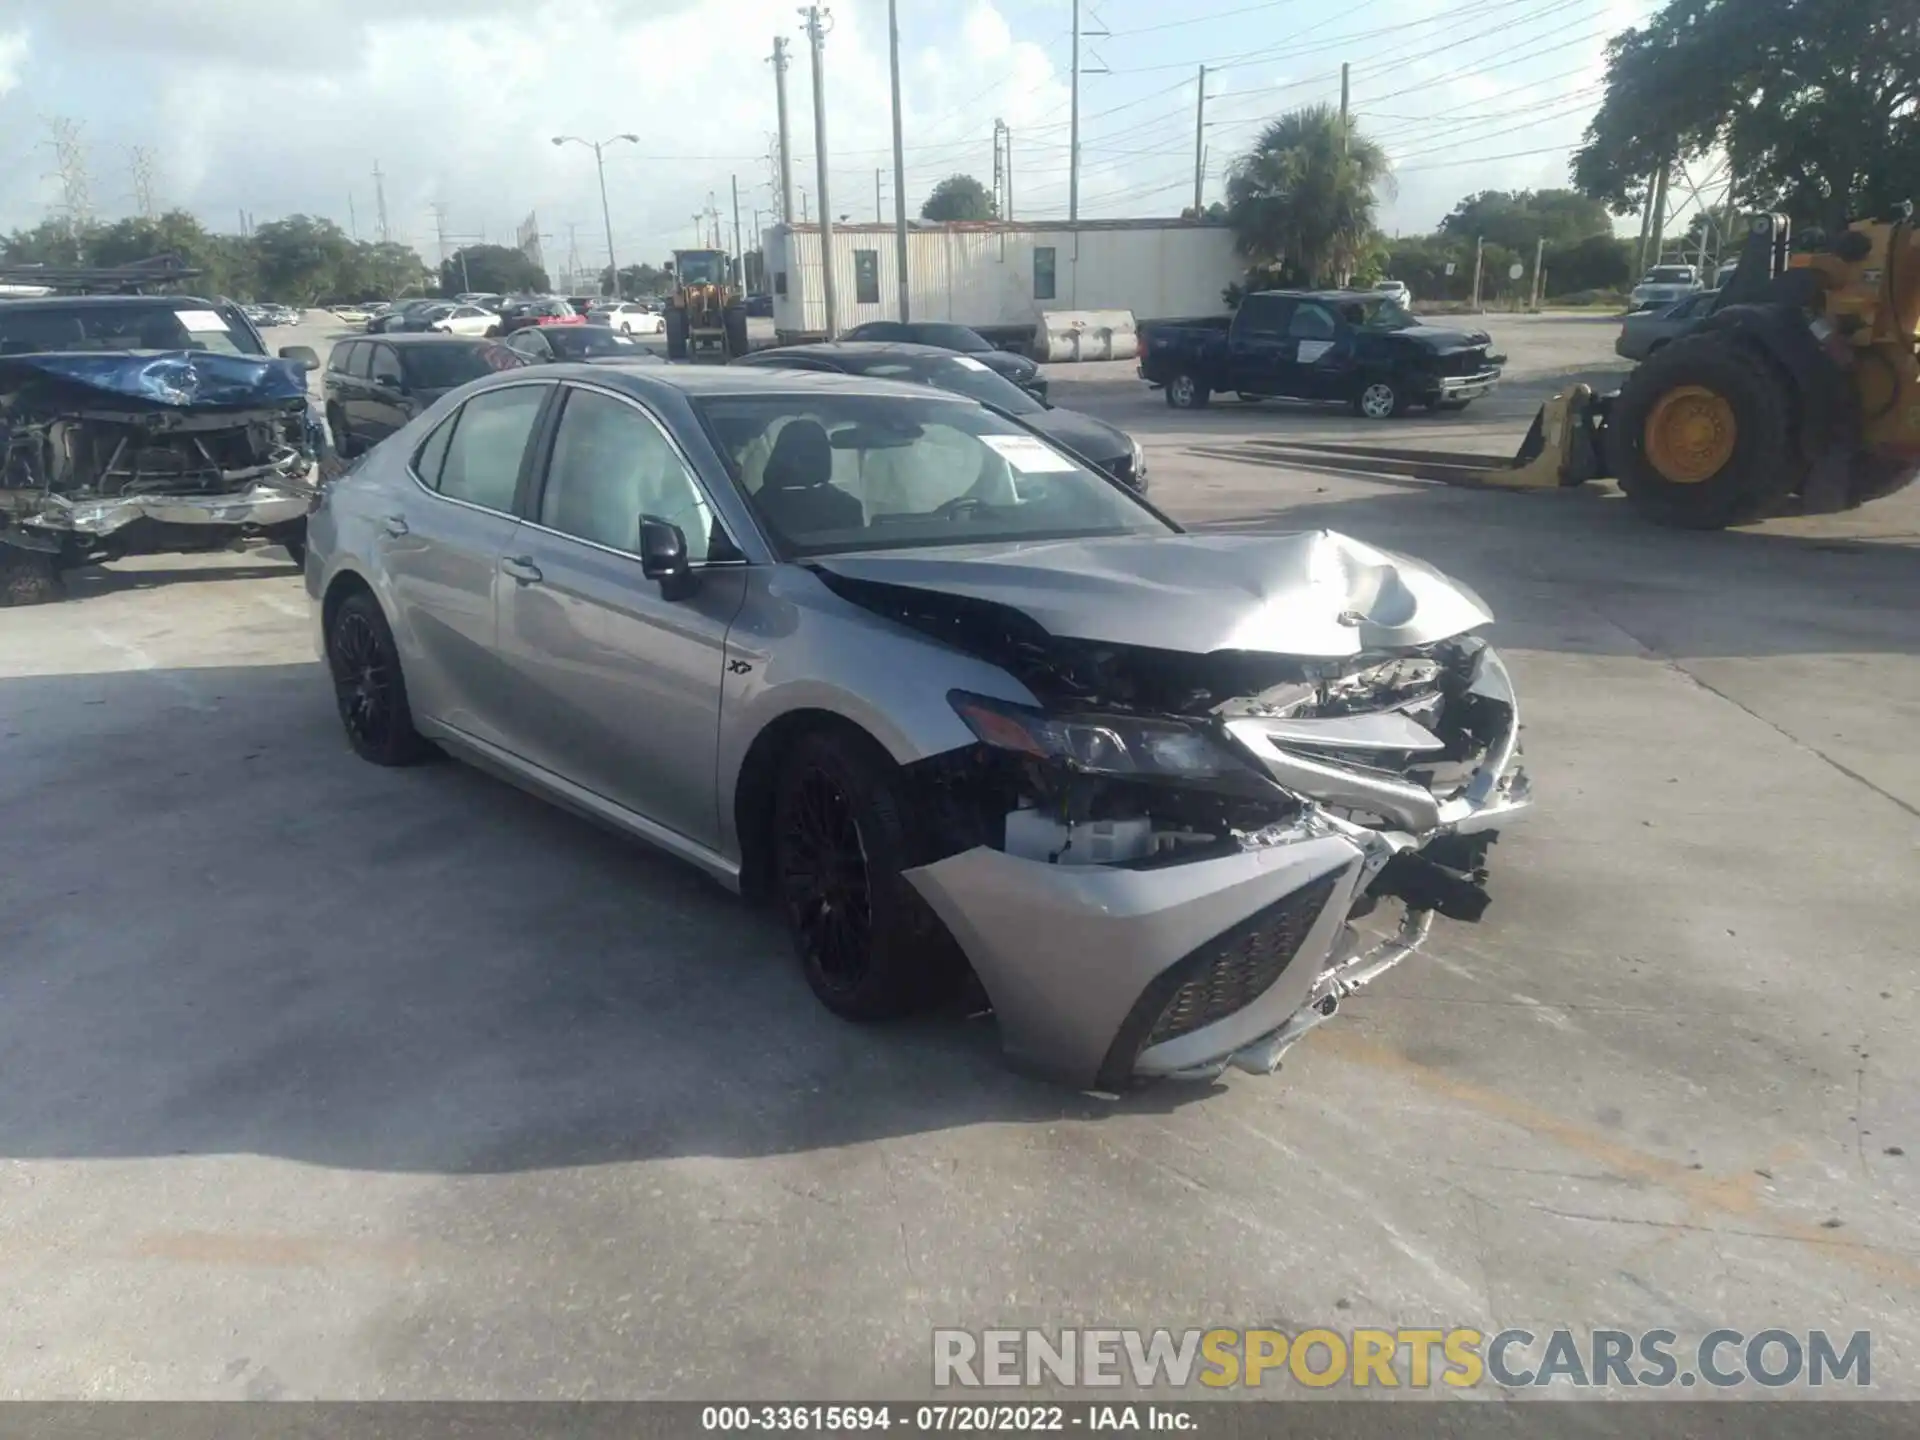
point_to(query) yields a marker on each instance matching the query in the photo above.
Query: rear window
(441, 367)
(1671, 275)
(163, 323)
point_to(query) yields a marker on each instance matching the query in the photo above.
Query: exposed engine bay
(104, 455)
(1389, 767)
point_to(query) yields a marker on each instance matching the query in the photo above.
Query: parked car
(944, 695)
(374, 387)
(629, 316)
(1102, 445)
(1357, 348)
(958, 338)
(145, 425)
(588, 344)
(1396, 291)
(411, 318)
(1665, 285)
(355, 315)
(518, 314)
(465, 320)
(1645, 331)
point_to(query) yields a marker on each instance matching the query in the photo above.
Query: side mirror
(663, 557)
(301, 355)
(388, 382)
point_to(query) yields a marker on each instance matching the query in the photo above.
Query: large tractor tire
(1702, 435)
(735, 320)
(678, 330)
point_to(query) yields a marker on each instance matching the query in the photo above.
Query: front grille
(1464, 362)
(1234, 969)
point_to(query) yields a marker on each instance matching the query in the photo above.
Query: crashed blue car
(145, 424)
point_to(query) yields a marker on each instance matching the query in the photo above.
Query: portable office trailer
(1001, 278)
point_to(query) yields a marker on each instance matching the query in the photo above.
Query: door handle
(396, 525)
(521, 568)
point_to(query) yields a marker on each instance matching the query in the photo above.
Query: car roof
(103, 302)
(1318, 294)
(728, 380)
(404, 337)
(862, 349)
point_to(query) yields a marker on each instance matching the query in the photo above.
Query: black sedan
(1095, 441)
(374, 386)
(546, 344)
(962, 341)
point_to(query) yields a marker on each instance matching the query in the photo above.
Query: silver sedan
(952, 701)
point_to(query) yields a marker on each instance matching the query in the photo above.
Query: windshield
(950, 337)
(963, 376)
(441, 367)
(702, 269)
(588, 341)
(1671, 275)
(157, 324)
(828, 473)
(1384, 313)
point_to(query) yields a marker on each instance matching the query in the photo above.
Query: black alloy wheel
(825, 884)
(368, 687)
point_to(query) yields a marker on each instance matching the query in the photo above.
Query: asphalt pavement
(323, 1080)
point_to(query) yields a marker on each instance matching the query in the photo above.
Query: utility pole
(999, 171)
(1479, 258)
(140, 162)
(440, 227)
(1073, 129)
(1656, 234)
(600, 165)
(819, 22)
(1200, 148)
(1346, 93)
(786, 136)
(878, 218)
(1539, 258)
(1646, 220)
(899, 162)
(804, 217)
(380, 202)
(739, 255)
(353, 220)
(1006, 135)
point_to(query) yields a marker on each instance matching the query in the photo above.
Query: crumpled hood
(184, 379)
(1313, 594)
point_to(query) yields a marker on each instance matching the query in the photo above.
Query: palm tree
(1304, 195)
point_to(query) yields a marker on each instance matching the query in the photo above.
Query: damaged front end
(104, 455)
(1161, 869)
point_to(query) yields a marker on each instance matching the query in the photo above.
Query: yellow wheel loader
(706, 315)
(1802, 386)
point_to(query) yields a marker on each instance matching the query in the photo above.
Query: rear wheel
(368, 686)
(1186, 393)
(1701, 436)
(870, 947)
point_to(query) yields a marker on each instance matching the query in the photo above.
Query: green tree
(1815, 104)
(496, 269)
(1522, 218)
(301, 258)
(958, 197)
(51, 242)
(1305, 194)
(641, 279)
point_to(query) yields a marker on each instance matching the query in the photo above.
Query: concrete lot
(324, 1080)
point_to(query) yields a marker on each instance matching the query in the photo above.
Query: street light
(606, 215)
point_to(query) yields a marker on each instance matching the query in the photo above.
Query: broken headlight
(1100, 744)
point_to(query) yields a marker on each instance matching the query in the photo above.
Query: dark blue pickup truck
(1361, 349)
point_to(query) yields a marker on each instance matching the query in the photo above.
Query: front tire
(1381, 399)
(1186, 393)
(1701, 436)
(369, 688)
(868, 944)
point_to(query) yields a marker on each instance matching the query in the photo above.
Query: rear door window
(482, 464)
(385, 364)
(1265, 314)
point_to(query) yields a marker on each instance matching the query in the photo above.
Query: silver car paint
(1312, 594)
(1064, 951)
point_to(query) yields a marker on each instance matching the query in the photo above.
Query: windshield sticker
(1312, 350)
(199, 320)
(969, 362)
(1028, 455)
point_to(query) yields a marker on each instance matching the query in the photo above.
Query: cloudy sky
(277, 106)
